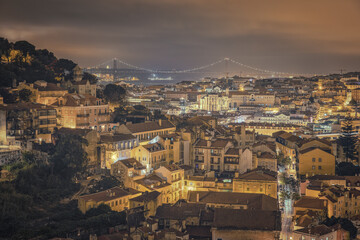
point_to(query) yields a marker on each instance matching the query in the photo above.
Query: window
(313, 159)
(319, 167)
(320, 160)
(313, 167)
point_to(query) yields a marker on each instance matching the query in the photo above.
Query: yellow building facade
(316, 161)
(116, 198)
(256, 181)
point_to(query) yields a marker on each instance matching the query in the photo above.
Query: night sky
(293, 36)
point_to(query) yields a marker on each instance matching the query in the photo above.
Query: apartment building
(82, 111)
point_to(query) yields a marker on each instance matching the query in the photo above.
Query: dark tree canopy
(69, 157)
(25, 47)
(348, 139)
(345, 224)
(114, 93)
(24, 95)
(63, 64)
(23, 62)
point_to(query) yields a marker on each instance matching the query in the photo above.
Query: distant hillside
(21, 61)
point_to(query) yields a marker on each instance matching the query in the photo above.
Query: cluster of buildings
(212, 167)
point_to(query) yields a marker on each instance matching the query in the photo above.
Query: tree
(101, 209)
(114, 93)
(282, 160)
(69, 157)
(311, 99)
(345, 224)
(346, 169)
(25, 47)
(24, 95)
(348, 139)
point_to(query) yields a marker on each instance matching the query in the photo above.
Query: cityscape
(179, 120)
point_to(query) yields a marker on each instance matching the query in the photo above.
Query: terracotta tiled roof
(252, 200)
(149, 126)
(311, 203)
(146, 197)
(172, 167)
(107, 195)
(109, 138)
(181, 211)
(314, 148)
(232, 151)
(25, 106)
(267, 155)
(154, 147)
(319, 230)
(129, 163)
(259, 174)
(49, 87)
(226, 218)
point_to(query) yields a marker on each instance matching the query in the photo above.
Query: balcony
(103, 114)
(199, 153)
(199, 160)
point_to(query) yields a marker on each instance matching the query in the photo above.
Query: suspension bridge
(117, 67)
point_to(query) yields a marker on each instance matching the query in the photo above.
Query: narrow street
(286, 206)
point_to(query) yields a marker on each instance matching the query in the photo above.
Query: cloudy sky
(294, 36)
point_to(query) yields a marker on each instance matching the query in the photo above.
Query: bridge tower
(227, 74)
(114, 69)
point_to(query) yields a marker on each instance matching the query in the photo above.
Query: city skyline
(309, 37)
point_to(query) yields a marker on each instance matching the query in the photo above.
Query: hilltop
(21, 61)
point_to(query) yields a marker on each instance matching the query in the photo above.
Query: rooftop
(149, 126)
(226, 218)
(251, 200)
(107, 195)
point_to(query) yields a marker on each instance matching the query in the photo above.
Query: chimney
(197, 197)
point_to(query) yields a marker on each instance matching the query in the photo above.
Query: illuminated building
(82, 111)
(213, 102)
(150, 155)
(147, 130)
(237, 99)
(30, 120)
(116, 198)
(174, 175)
(43, 92)
(316, 161)
(114, 147)
(256, 181)
(128, 170)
